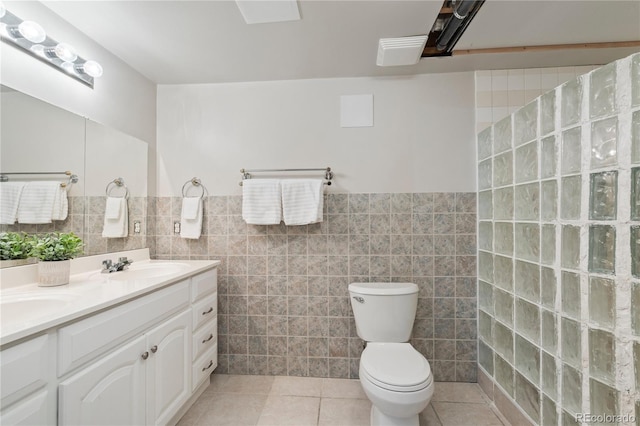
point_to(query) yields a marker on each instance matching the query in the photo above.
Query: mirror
(39, 137)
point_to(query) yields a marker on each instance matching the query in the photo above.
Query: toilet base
(378, 418)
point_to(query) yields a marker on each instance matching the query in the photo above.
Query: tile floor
(299, 401)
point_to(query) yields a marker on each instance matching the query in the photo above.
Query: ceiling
(186, 42)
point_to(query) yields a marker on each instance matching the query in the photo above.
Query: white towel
(37, 201)
(113, 207)
(9, 200)
(261, 201)
(116, 228)
(191, 228)
(302, 201)
(60, 204)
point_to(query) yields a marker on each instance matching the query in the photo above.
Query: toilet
(395, 377)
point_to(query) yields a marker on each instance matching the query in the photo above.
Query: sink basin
(27, 306)
(147, 271)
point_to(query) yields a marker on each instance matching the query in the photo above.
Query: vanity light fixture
(31, 38)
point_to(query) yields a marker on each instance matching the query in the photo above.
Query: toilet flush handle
(359, 299)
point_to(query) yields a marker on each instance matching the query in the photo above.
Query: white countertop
(87, 292)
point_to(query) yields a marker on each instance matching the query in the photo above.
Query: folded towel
(261, 201)
(37, 201)
(60, 204)
(113, 207)
(191, 228)
(302, 201)
(9, 199)
(119, 227)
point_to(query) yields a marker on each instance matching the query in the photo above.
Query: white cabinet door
(109, 392)
(32, 410)
(168, 368)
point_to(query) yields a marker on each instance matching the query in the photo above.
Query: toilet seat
(395, 366)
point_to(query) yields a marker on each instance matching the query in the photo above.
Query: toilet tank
(384, 312)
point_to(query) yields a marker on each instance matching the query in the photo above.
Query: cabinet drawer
(204, 310)
(205, 338)
(86, 339)
(204, 366)
(203, 284)
(24, 369)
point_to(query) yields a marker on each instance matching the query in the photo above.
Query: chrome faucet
(108, 266)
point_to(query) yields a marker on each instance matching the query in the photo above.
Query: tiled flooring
(299, 401)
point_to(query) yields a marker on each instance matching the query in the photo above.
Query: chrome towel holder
(328, 174)
(117, 183)
(195, 182)
(72, 178)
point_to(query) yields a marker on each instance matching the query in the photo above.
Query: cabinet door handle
(208, 338)
(208, 366)
(145, 355)
(208, 312)
(154, 349)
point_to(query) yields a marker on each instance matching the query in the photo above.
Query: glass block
(503, 235)
(548, 112)
(502, 135)
(549, 200)
(549, 376)
(503, 306)
(635, 308)
(570, 255)
(571, 108)
(571, 197)
(571, 294)
(527, 163)
(484, 174)
(527, 359)
(548, 244)
(485, 205)
(602, 301)
(604, 142)
(485, 357)
(601, 355)
(503, 204)
(548, 284)
(636, 362)
(503, 339)
(485, 266)
(549, 331)
(485, 141)
(635, 137)
(571, 342)
(635, 193)
(527, 201)
(485, 297)
(503, 272)
(635, 79)
(527, 237)
(602, 91)
(602, 197)
(549, 411)
(602, 248)
(571, 393)
(604, 399)
(528, 320)
(548, 157)
(571, 151)
(635, 251)
(504, 374)
(527, 280)
(503, 169)
(525, 122)
(485, 236)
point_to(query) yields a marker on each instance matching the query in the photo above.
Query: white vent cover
(264, 11)
(400, 51)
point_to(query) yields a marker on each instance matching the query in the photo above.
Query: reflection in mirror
(36, 136)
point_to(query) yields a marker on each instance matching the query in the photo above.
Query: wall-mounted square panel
(356, 111)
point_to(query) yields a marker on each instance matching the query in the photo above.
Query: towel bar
(72, 178)
(328, 174)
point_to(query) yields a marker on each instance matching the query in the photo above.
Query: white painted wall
(423, 137)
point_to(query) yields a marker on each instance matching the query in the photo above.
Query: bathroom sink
(147, 271)
(29, 306)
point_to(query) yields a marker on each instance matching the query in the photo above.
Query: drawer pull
(208, 312)
(208, 366)
(208, 338)
(154, 349)
(145, 355)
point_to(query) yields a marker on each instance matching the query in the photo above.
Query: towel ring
(195, 182)
(116, 183)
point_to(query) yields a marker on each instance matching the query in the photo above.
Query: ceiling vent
(265, 11)
(400, 51)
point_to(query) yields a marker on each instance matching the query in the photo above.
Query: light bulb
(65, 52)
(32, 31)
(39, 50)
(91, 68)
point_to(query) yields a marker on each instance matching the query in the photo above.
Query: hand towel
(37, 201)
(9, 200)
(119, 227)
(191, 228)
(60, 204)
(261, 201)
(113, 207)
(302, 201)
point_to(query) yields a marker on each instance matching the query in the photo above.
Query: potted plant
(14, 248)
(54, 252)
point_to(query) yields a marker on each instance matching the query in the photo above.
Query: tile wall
(283, 300)
(559, 250)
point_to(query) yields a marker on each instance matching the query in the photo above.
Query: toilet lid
(395, 366)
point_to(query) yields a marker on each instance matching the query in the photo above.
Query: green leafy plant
(56, 246)
(14, 245)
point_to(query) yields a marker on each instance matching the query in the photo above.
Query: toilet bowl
(397, 380)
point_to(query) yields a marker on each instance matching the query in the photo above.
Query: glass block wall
(559, 249)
